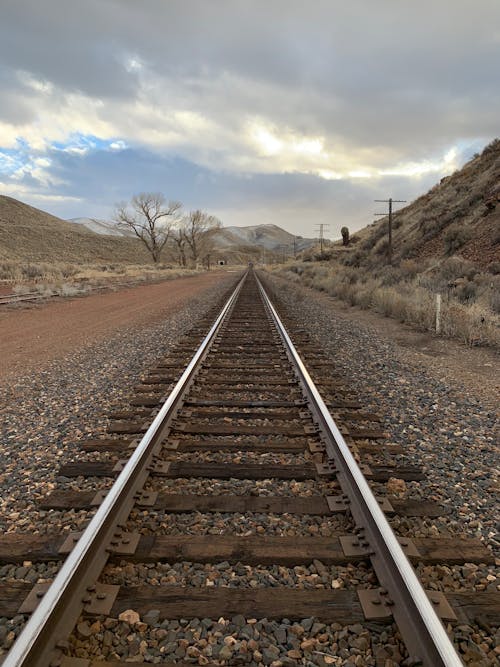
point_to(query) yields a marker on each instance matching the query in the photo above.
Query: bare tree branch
(151, 218)
(198, 228)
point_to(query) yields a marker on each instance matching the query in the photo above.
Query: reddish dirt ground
(32, 335)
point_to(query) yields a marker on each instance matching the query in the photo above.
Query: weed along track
(231, 521)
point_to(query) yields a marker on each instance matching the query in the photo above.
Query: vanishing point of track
(244, 388)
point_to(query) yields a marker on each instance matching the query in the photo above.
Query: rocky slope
(29, 234)
(458, 216)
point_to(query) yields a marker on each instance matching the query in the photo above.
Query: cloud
(352, 96)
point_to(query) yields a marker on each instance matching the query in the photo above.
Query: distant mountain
(102, 227)
(268, 237)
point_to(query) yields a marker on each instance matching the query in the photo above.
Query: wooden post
(390, 201)
(438, 313)
(389, 245)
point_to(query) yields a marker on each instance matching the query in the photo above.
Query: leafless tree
(180, 242)
(198, 228)
(151, 218)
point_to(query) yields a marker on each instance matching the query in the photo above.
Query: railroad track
(8, 299)
(206, 430)
(12, 299)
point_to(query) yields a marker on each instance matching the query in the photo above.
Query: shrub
(368, 243)
(409, 268)
(390, 303)
(69, 270)
(32, 271)
(494, 301)
(355, 259)
(455, 237)
(9, 271)
(407, 250)
(389, 275)
(466, 292)
(492, 147)
(345, 235)
(456, 267)
(382, 247)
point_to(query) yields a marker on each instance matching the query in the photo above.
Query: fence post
(438, 313)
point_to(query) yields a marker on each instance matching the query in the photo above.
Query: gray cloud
(380, 84)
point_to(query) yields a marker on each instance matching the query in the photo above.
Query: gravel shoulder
(470, 370)
(442, 409)
(61, 395)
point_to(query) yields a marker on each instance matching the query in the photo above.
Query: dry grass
(67, 279)
(409, 298)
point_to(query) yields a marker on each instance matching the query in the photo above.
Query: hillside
(29, 234)
(446, 242)
(458, 216)
(103, 227)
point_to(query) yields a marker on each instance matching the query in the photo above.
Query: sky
(259, 111)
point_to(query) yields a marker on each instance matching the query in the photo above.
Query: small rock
(151, 617)
(84, 630)
(295, 654)
(225, 653)
(396, 487)
(129, 616)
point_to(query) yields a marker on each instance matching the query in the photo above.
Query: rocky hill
(29, 234)
(446, 243)
(103, 227)
(458, 216)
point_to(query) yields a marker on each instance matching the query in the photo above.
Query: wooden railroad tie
(181, 503)
(328, 606)
(248, 550)
(188, 469)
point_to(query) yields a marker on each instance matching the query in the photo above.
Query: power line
(320, 227)
(389, 201)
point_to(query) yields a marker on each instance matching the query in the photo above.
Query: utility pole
(390, 201)
(295, 247)
(321, 226)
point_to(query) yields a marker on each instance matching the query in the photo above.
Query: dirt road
(33, 335)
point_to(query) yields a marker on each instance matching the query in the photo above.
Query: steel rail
(16, 298)
(422, 630)
(56, 615)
